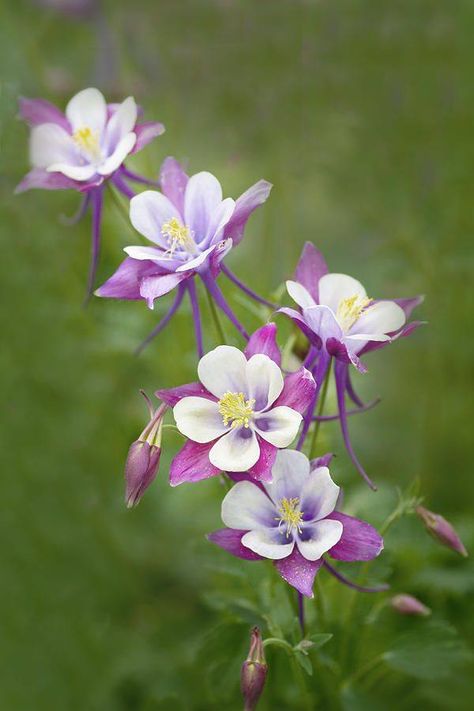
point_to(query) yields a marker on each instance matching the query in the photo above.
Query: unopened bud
(441, 529)
(409, 605)
(143, 459)
(254, 672)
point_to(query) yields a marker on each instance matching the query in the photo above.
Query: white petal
(197, 261)
(142, 253)
(322, 536)
(219, 218)
(75, 172)
(199, 419)
(299, 294)
(115, 160)
(87, 109)
(49, 143)
(278, 426)
(202, 197)
(335, 287)
(223, 370)
(323, 322)
(268, 544)
(122, 122)
(148, 212)
(246, 507)
(319, 495)
(290, 472)
(379, 319)
(236, 451)
(264, 379)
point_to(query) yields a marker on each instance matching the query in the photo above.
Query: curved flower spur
(240, 413)
(83, 148)
(191, 228)
(342, 323)
(293, 522)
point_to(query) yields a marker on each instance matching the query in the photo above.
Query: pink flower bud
(409, 605)
(143, 459)
(442, 530)
(254, 672)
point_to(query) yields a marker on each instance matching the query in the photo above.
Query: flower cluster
(242, 416)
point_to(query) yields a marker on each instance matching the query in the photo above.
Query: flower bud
(409, 605)
(143, 459)
(442, 530)
(254, 672)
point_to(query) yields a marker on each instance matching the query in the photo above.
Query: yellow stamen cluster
(350, 309)
(177, 234)
(87, 140)
(235, 409)
(290, 514)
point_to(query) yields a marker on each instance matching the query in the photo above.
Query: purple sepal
(339, 351)
(359, 540)
(310, 268)
(323, 461)
(298, 319)
(38, 111)
(244, 206)
(264, 341)
(402, 333)
(298, 391)
(39, 178)
(262, 470)
(125, 282)
(299, 572)
(152, 287)
(192, 464)
(146, 132)
(173, 181)
(215, 257)
(171, 396)
(409, 304)
(230, 539)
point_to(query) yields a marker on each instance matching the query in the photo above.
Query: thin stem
(119, 205)
(363, 670)
(355, 586)
(215, 318)
(196, 317)
(319, 599)
(301, 613)
(80, 212)
(354, 411)
(246, 289)
(97, 203)
(317, 424)
(319, 377)
(221, 302)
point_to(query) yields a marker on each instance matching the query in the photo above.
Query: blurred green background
(360, 113)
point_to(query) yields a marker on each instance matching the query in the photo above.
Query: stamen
(178, 235)
(290, 514)
(350, 309)
(235, 409)
(88, 141)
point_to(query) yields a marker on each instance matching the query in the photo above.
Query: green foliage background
(360, 113)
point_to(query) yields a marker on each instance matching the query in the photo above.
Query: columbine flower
(83, 147)
(240, 413)
(191, 228)
(293, 522)
(342, 323)
(441, 530)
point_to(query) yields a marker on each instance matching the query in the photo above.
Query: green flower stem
(305, 695)
(363, 670)
(215, 318)
(117, 200)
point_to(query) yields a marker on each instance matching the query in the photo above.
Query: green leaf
(305, 662)
(431, 653)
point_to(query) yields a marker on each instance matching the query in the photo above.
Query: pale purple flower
(191, 228)
(82, 148)
(409, 605)
(143, 458)
(292, 521)
(441, 530)
(240, 413)
(342, 323)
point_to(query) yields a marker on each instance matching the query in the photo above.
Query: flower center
(236, 409)
(290, 514)
(178, 235)
(88, 141)
(349, 310)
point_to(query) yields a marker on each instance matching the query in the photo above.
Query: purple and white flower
(293, 522)
(240, 413)
(191, 228)
(82, 148)
(342, 323)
